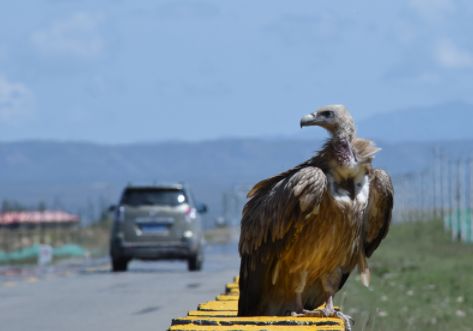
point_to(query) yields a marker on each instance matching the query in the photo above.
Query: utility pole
(442, 187)
(467, 219)
(434, 182)
(450, 194)
(457, 201)
(423, 195)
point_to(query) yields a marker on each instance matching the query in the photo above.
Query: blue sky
(126, 71)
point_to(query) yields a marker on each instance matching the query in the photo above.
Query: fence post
(469, 202)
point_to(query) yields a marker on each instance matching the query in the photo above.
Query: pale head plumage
(334, 118)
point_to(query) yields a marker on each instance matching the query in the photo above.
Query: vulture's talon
(324, 312)
(346, 318)
(313, 313)
(296, 314)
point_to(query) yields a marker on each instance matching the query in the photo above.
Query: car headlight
(187, 234)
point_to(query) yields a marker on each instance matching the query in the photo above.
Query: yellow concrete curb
(221, 315)
(225, 297)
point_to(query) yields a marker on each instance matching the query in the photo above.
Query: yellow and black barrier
(221, 314)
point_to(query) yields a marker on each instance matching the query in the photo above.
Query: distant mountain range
(86, 177)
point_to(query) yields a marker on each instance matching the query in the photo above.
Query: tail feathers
(365, 274)
(365, 277)
(250, 288)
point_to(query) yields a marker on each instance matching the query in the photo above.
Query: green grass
(421, 280)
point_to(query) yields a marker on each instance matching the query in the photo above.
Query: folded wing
(378, 212)
(277, 209)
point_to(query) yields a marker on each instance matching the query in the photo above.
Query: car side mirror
(112, 208)
(201, 208)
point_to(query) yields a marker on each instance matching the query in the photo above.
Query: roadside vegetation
(420, 280)
(96, 236)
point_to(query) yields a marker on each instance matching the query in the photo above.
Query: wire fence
(442, 191)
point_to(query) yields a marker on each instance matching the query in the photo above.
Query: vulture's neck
(345, 173)
(342, 150)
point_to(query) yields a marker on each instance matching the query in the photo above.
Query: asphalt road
(87, 296)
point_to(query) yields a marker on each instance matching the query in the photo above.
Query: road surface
(88, 297)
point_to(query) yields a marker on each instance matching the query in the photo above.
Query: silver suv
(157, 222)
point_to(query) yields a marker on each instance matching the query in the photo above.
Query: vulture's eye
(326, 114)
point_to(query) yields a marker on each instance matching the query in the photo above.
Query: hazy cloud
(15, 100)
(448, 55)
(77, 35)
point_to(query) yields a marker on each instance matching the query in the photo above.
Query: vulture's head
(334, 118)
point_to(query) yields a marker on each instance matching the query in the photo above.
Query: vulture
(304, 230)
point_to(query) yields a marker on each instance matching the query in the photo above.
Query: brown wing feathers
(276, 209)
(378, 211)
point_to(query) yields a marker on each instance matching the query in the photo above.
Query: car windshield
(146, 196)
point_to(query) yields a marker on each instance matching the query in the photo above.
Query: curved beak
(309, 119)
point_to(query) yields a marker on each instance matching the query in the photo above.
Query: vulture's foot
(320, 312)
(326, 312)
(346, 318)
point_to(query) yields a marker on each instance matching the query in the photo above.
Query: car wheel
(194, 263)
(119, 264)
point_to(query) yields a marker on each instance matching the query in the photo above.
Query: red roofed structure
(37, 217)
(19, 229)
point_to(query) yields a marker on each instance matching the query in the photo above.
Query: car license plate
(152, 219)
(154, 228)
